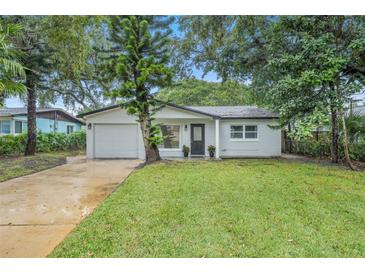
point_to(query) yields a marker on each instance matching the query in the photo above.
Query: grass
(231, 208)
(16, 166)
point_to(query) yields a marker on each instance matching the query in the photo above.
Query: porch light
(89, 126)
(186, 127)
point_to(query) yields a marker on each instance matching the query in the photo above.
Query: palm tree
(11, 70)
(356, 127)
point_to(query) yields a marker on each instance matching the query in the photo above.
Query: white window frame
(6, 120)
(244, 139)
(180, 138)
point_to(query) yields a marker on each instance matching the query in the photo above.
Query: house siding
(267, 145)
(43, 125)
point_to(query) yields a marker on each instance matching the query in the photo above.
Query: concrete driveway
(37, 211)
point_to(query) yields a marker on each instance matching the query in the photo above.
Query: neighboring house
(235, 131)
(359, 110)
(14, 121)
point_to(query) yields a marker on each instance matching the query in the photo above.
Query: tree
(195, 92)
(35, 58)
(315, 64)
(12, 71)
(139, 62)
(55, 51)
(78, 45)
(299, 64)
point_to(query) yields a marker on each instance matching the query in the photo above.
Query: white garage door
(115, 141)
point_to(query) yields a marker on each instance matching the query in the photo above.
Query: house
(359, 110)
(14, 121)
(235, 131)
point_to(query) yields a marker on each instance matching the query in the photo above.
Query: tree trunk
(151, 151)
(334, 135)
(345, 142)
(31, 145)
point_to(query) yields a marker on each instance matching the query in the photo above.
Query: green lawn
(231, 208)
(15, 166)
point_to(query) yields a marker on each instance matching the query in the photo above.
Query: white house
(235, 131)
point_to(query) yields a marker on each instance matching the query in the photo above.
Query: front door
(197, 139)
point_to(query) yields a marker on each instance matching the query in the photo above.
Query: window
(20, 126)
(171, 136)
(250, 132)
(70, 129)
(5, 127)
(236, 132)
(243, 132)
(197, 136)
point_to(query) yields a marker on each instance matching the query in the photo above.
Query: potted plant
(211, 150)
(186, 151)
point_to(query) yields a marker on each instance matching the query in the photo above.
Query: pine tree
(139, 62)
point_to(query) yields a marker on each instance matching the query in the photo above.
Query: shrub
(46, 142)
(322, 148)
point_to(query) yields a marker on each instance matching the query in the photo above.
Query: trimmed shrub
(46, 142)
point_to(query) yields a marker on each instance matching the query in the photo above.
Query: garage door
(116, 141)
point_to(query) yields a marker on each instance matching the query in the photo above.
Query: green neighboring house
(14, 121)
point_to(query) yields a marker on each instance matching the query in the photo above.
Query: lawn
(230, 208)
(15, 166)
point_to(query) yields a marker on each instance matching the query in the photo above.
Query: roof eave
(75, 119)
(167, 104)
(228, 118)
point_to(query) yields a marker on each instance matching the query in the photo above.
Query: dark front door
(197, 139)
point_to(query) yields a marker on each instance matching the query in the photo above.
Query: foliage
(356, 127)
(312, 64)
(211, 148)
(322, 148)
(193, 92)
(357, 151)
(185, 149)
(11, 70)
(139, 63)
(78, 45)
(230, 46)
(296, 64)
(311, 147)
(230, 208)
(304, 127)
(46, 142)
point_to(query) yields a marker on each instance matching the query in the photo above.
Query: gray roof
(220, 112)
(23, 111)
(18, 111)
(235, 111)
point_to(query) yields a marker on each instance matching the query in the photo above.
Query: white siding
(267, 145)
(185, 135)
(167, 115)
(114, 116)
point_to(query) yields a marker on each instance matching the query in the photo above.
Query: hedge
(46, 142)
(322, 148)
